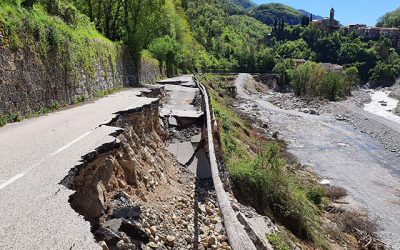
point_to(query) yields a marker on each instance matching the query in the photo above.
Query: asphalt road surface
(35, 155)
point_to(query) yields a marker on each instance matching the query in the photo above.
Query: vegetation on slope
(142, 23)
(390, 19)
(246, 4)
(373, 59)
(263, 175)
(259, 175)
(61, 39)
(61, 33)
(234, 42)
(269, 13)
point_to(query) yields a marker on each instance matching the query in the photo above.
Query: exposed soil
(136, 194)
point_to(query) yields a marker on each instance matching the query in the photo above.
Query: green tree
(283, 69)
(390, 19)
(296, 50)
(352, 79)
(165, 50)
(384, 74)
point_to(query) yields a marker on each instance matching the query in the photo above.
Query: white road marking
(23, 173)
(12, 179)
(71, 143)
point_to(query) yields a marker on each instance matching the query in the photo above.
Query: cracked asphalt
(36, 154)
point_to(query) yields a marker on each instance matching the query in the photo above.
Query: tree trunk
(114, 22)
(90, 6)
(99, 10)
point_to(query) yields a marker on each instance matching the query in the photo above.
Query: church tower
(332, 16)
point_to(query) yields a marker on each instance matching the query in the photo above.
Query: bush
(384, 74)
(316, 195)
(3, 120)
(283, 69)
(313, 80)
(351, 221)
(335, 193)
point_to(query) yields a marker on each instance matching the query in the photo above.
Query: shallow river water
(383, 105)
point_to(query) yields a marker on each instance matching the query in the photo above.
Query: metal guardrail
(237, 236)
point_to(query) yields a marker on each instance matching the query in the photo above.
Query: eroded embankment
(136, 195)
(285, 192)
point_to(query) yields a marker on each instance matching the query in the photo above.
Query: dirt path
(343, 154)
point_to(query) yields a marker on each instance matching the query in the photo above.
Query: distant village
(362, 30)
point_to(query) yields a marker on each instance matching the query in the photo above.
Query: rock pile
(190, 221)
(289, 101)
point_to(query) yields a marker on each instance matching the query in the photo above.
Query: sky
(347, 11)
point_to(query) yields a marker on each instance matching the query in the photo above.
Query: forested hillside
(269, 13)
(202, 35)
(244, 3)
(234, 41)
(390, 19)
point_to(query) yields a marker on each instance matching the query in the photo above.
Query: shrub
(55, 105)
(384, 74)
(352, 221)
(14, 117)
(316, 195)
(335, 193)
(3, 120)
(333, 86)
(79, 99)
(312, 80)
(283, 69)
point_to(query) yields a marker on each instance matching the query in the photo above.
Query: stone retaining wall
(30, 82)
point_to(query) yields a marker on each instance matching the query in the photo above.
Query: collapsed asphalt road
(35, 155)
(341, 153)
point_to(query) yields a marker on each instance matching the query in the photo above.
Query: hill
(246, 4)
(234, 41)
(306, 13)
(268, 13)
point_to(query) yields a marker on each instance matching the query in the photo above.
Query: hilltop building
(328, 23)
(374, 33)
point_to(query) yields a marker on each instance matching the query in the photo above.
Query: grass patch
(9, 118)
(106, 92)
(258, 172)
(277, 242)
(79, 99)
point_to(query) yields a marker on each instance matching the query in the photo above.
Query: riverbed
(382, 105)
(345, 155)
